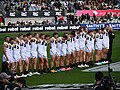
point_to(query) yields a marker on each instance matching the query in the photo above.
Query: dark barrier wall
(7, 29)
(34, 13)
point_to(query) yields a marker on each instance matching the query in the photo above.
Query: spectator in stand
(61, 20)
(69, 5)
(8, 81)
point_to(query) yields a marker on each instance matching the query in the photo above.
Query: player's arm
(96, 36)
(32, 40)
(51, 40)
(48, 41)
(4, 51)
(38, 40)
(58, 39)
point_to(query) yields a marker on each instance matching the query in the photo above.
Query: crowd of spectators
(27, 23)
(57, 20)
(69, 5)
(8, 81)
(71, 19)
(87, 19)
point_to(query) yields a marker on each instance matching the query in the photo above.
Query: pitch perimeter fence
(36, 28)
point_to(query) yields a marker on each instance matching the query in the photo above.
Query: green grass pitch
(67, 77)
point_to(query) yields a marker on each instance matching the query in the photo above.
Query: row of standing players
(76, 49)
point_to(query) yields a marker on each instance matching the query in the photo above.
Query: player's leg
(41, 65)
(21, 67)
(57, 61)
(98, 57)
(105, 53)
(68, 56)
(52, 62)
(13, 64)
(73, 54)
(88, 55)
(53, 57)
(106, 61)
(92, 57)
(30, 66)
(100, 54)
(62, 63)
(84, 58)
(16, 66)
(46, 65)
(92, 54)
(34, 64)
(13, 68)
(26, 66)
(77, 58)
(80, 59)
(88, 58)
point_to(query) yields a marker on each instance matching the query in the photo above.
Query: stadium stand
(69, 19)
(69, 5)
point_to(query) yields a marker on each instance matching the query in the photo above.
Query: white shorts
(69, 51)
(93, 48)
(77, 48)
(24, 56)
(33, 54)
(17, 58)
(64, 52)
(5, 60)
(73, 49)
(58, 52)
(42, 55)
(53, 52)
(28, 54)
(82, 48)
(98, 47)
(10, 59)
(105, 45)
(88, 49)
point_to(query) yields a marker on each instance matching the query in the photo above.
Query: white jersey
(43, 47)
(45, 44)
(59, 44)
(53, 48)
(12, 51)
(73, 44)
(88, 43)
(99, 40)
(53, 43)
(93, 41)
(16, 52)
(34, 45)
(28, 48)
(9, 53)
(76, 42)
(64, 48)
(82, 38)
(40, 46)
(106, 36)
(23, 50)
(69, 44)
(34, 48)
(106, 40)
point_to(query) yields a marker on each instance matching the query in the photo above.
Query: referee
(111, 37)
